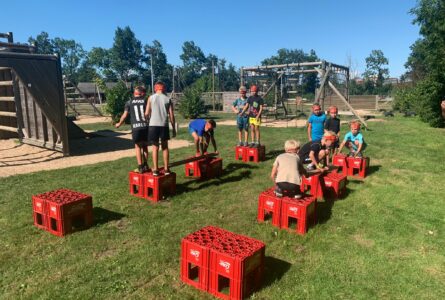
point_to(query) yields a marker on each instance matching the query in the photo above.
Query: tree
(100, 59)
(43, 43)
(162, 70)
(194, 62)
(375, 70)
(72, 54)
(126, 54)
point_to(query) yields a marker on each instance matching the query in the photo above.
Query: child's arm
(148, 109)
(309, 128)
(312, 158)
(259, 113)
(171, 115)
(244, 109)
(234, 109)
(341, 146)
(274, 172)
(212, 138)
(122, 119)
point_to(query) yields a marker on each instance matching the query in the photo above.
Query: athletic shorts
(156, 133)
(242, 123)
(140, 136)
(253, 121)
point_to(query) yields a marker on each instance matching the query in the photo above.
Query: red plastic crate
(215, 168)
(39, 205)
(62, 227)
(196, 169)
(40, 220)
(236, 268)
(268, 202)
(334, 185)
(358, 166)
(312, 183)
(302, 210)
(256, 154)
(157, 188)
(195, 264)
(136, 184)
(241, 153)
(340, 161)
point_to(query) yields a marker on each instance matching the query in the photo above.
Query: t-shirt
(255, 103)
(352, 138)
(332, 124)
(136, 108)
(289, 168)
(239, 104)
(317, 147)
(159, 104)
(317, 129)
(198, 126)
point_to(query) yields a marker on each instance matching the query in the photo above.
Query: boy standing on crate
(159, 110)
(139, 126)
(354, 141)
(315, 124)
(288, 169)
(333, 124)
(255, 106)
(242, 119)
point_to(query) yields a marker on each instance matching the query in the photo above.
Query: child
(159, 110)
(354, 141)
(315, 127)
(316, 153)
(288, 169)
(202, 131)
(333, 124)
(255, 106)
(139, 127)
(242, 120)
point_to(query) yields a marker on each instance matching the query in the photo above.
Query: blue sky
(243, 32)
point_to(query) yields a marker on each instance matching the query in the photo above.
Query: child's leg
(155, 149)
(257, 127)
(165, 153)
(196, 141)
(138, 154)
(246, 135)
(253, 133)
(240, 133)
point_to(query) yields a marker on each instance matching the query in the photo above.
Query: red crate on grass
(340, 161)
(62, 211)
(303, 211)
(334, 185)
(157, 188)
(214, 168)
(256, 154)
(237, 266)
(269, 203)
(358, 166)
(313, 184)
(136, 184)
(196, 169)
(241, 153)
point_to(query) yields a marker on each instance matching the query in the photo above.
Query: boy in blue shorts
(242, 120)
(354, 141)
(315, 125)
(202, 132)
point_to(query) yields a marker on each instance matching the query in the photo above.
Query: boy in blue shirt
(242, 119)
(354, 141)
(315, 127)
(202, 132)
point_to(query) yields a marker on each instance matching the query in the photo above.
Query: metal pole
(151, 69)
(213, 84)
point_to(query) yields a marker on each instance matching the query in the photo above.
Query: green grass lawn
(384, 240)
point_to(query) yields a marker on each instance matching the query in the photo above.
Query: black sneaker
(298, 196)
(351, 154)
(359, 154)
(240, 144)
(252, 145)
(167, 172)
(155, 172)
(145, 168)
(278, 192)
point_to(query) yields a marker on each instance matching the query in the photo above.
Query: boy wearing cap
(315, 127)
(354, 141)
(159, 110)
(255, 105)
(242, 119)
(139, 126)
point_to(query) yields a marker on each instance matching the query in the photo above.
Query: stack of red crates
(153, 188)
(225, 264)
(340, 161)
(312, 183)
(334, 185)
(206, 168)
(241, 153)
(256, 154)
(287, 209)
(358, 166)
(62, 211)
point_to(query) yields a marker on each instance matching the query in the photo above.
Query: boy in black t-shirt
(317, 153)
(255, 106)
(139, 126)
(333, 124)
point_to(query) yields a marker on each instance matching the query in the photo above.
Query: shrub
(116, 98)
(191, 105)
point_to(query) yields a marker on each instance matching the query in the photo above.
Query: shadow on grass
(272, 154)
(373, 169)
(103, 216)
(324, 211)
(223, 179)
(99, 142)
(274, 268)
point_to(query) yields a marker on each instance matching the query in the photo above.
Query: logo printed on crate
(39, 204)
(357, 163)
(270, 203)
(293, 209)
(328, 183)
(251, 151)
(136, 178)
(195, 253)
(225, 265)
(150, 180)
(340, 160)
(53, 208)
